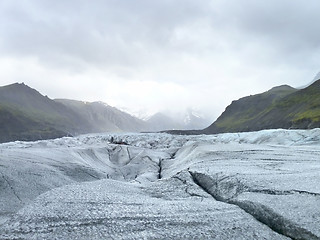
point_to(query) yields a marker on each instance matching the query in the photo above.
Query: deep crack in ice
(260, 212)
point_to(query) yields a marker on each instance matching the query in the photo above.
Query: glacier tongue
(258, 185)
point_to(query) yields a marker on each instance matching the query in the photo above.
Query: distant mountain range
(187, 119)
(183, 119)
(27, 115)
(104, 118)
(281, 107)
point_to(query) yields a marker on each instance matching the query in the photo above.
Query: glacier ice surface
(256, 185)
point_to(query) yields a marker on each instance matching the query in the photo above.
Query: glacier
(254, 185)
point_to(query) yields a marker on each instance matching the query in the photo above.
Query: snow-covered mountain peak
(103, 103)
(140, 113)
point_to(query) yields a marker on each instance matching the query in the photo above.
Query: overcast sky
(159, 54)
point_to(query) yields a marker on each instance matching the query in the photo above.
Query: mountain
(317, 77)
(194, 120)
(188, 119)
(104, 118)
(176, 120)
(161, 121)
(27, 115)
(280, 107)
(17, 125)
(140, 113)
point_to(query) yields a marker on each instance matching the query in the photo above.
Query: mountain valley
(27, 115)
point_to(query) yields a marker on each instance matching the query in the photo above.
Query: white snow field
(257, 185)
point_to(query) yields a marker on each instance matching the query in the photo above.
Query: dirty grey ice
(259, 185)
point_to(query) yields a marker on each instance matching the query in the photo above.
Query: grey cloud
(289, 27)
(216, 51)
(93, 32)
(135, 33)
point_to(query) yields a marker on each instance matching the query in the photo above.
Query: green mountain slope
(15, 125)
(280, 107)
(25, 114)
(32, 105)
